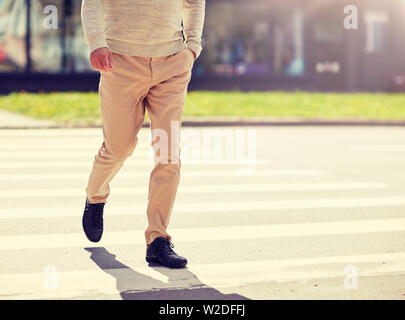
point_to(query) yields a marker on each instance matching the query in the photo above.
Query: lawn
(83, 108)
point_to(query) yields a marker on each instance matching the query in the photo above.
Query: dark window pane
(81, 52)
(46, 42)
(241, 38)
(12, 35)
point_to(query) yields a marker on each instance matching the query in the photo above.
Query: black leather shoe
(161, 251)
(93, 221)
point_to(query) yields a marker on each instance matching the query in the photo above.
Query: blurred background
(248, 45)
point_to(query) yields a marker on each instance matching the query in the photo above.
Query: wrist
(195, 48)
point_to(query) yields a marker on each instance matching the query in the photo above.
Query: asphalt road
(301, 213)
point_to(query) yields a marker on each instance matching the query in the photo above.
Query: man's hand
(101, 59)
(193, 53)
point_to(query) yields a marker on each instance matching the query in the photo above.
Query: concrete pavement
(12, 120)
(319, 214)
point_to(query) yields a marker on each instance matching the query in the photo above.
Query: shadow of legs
(132, 285)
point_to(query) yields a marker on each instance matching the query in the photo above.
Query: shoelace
(166, 247)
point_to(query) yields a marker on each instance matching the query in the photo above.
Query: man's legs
(165, 104)
(122, 95)
(160, 85)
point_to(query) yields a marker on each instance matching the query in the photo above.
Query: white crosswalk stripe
(130, 162)
(190, 208)
(208, 234)
(225, 188)
(60, 161)
(59, 154)
(193, 174)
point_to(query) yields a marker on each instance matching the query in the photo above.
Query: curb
(232, 122)
(287, 121)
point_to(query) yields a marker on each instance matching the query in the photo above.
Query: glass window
(328, 32)
(241, 39)
(46, 42)
(12, 35)
(80, 51)
(376, 31)
(288, 54)
(57, 43)
(45, 48)
(62, 49)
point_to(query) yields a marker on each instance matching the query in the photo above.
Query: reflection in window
(328, 32)
(242, 39)
(239, 38)
(46, 50)
(12, 35)
(80, 52)
(63, 49)
(52, 50)
(376, 31)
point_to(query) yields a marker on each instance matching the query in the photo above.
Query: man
(145, 63)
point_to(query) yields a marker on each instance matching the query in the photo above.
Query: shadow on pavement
(132, 285)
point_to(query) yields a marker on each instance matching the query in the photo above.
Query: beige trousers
(135, 84)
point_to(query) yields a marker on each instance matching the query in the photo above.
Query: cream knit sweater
(146, 28)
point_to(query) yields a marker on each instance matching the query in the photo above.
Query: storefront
(248, 45)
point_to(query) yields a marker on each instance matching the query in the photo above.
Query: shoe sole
(154, 260)
(84, 230)
(91, 240)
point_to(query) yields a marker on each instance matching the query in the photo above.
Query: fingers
(110, 60)
(101, 60)
(106, 62)
(193, 53)
(104, 65)
(97, 64)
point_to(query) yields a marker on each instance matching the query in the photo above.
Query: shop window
(376, 31)
(46, 44)
(80, 50)
(241, 38)
(12, 35)
(52, 50)
(45, 49)
(328, 32)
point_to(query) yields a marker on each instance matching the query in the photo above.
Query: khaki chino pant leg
(122, 112)
(165, 104)
(137, 83)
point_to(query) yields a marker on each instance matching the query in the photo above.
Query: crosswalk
(275, 223)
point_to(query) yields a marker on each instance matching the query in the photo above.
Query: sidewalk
(10, 120)
(286, 121)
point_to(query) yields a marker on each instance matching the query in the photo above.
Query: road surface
(302, 213)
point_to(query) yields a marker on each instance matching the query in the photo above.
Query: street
(317, 213)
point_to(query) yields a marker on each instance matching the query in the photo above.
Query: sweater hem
(141, 50)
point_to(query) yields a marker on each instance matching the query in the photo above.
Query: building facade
(248, 45)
